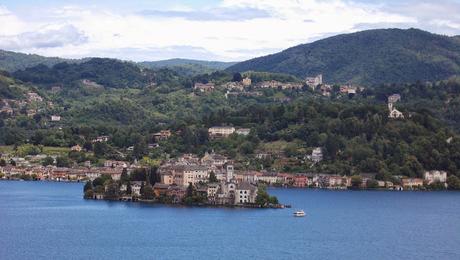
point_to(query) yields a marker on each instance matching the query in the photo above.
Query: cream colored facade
(247, 81)
(223, 131)
(433, 176)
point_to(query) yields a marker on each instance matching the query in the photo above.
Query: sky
(223, 30)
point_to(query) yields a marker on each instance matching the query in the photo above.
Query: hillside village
(269, 128)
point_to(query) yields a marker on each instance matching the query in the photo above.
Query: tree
(129, 189)
(111, 190)
(140, 148)
(237, 77)
(124, 175)
(263, 199)
(148, 193)
(88, 186)
(190, 190)
(62, 161)
(89, 194)
(356, 181)
(2, 163)
(213, 177)
(453, 183)
(88, 146)
(100, 181)
(100, 149)
(48, 161)
(372, 184)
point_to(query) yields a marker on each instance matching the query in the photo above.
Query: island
(184, 184)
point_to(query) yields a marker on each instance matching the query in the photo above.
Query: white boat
(299, 213)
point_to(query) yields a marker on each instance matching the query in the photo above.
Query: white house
(55, 118)
(243, 131)
(221, 131)
(317, 155)
(394, 113)
(434, 176)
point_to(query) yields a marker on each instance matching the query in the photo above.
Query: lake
(48, 220)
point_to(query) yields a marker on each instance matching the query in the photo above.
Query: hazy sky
(228, 30)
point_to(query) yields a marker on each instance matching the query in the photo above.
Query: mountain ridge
(367, 57)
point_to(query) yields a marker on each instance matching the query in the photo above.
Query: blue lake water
(45, 220)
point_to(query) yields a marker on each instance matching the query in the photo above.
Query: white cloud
(258, 28)
(10, 24)
(48, 37)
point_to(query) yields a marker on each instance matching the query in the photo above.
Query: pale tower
(229, 172)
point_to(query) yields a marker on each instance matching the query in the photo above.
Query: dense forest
(367, 57)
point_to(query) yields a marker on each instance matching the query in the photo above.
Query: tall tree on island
(213, 177)
(124, 176)
(88, 186)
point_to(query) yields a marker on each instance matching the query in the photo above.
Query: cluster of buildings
(30, 106)
(77, 174)
(177, 175)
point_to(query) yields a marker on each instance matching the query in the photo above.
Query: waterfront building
(435, 176)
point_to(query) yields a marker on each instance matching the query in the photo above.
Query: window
(245, 192)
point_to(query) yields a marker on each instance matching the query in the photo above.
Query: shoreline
(276, 187)
(197, 205)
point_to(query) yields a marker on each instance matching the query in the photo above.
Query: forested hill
(217, 65)
(13, 61)
(106, 72)
(367, 57)
(187, 67)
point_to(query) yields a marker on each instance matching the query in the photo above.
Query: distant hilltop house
(317, 155)
(312, 82)
(435, 176)
(31, 112)
(208, 87)
(350, 89)
(6, 109)
(32, 96)
(221, 131)
(76, 148)
(115, 164)
(247, 82)
(162, 135)
(394, 98)
(101, 139)
(55, 118)
(243, 131)
(394, 113)
(225, 131)
(91, 84)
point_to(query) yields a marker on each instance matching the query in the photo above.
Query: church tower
(229, 172)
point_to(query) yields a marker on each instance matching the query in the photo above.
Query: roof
(246, 186)
(160, 186)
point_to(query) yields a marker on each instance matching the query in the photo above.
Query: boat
(299, 213)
